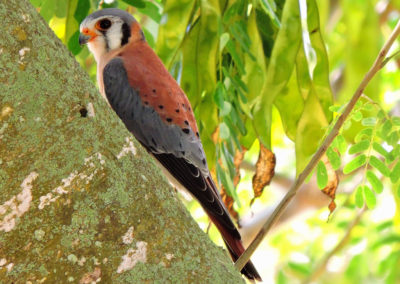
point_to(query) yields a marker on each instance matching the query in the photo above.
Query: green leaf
(395, 174)
(301, 268)
(280, 68)
(378, 148)
(369, 121)
(151, 10)
(61, 8)
(37, 3)
(364, 133)
(282, 279)
(237, 120)
(396, 151)
(269, 7)
(71, 25)
(385, 225)
(385, 128)
(334, 158)
(47, 9)
(226, 109)
(359, 147)
(231, 12)
(135, 3)
(322, 175)
(393, 138)
(367, 107)
(223, 40)
(379, 165)
(320, 78)
(380, 115)
(341, 144)
(230, 46)
(223, 131)
(370, 197)
(335, 108)
(149, 37)
(219, 95)
(347, 124)
(290, 98)
(239, 33)
(359, 196)
(310, 130)
(357, 116)
(359, 19)
(396, 120)
(232, 131)
(374, 181)
(248, 139)
(172, 29)
(82, 10)
(355, 164)
(73, 43)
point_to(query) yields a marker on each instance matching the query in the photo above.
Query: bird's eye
(103, 24)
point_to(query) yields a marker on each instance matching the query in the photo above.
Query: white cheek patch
(114, 36)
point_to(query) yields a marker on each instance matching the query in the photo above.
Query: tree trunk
(80, 200)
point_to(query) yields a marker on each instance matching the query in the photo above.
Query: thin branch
(322, 266)
(244, 258)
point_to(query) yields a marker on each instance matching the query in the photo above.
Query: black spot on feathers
(186, 122)
(169, 119)
(203, 161)
(161, 106)
(186, 130)
(197, 134)
(177, 110)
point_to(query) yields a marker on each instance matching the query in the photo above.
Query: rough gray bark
(80, 200)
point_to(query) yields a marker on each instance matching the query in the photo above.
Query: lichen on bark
(80, 200)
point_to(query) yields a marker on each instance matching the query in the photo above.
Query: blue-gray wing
(180, 153)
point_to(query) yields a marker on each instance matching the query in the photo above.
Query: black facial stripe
(106, 39)
(126, 34)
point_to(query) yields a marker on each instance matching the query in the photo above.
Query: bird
(153, 107)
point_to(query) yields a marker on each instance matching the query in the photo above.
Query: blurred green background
(277, 73)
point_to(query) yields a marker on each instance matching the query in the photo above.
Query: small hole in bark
(83, 111)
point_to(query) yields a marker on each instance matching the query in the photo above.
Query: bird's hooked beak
(84, 39)
(86, 35)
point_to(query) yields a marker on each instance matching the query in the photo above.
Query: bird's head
(108, 29)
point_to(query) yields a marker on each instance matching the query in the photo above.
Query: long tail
(204, 189)
(236, 249)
